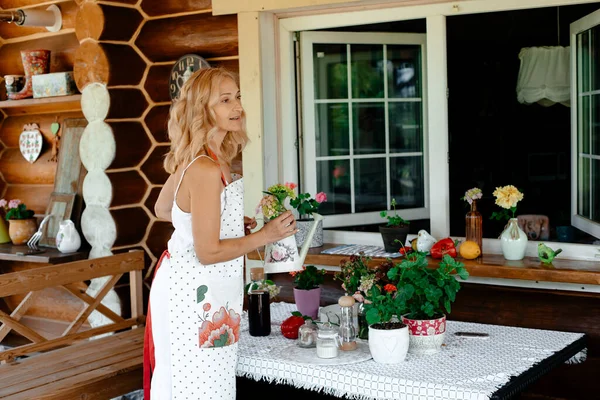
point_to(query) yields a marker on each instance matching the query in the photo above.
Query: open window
(585, 120)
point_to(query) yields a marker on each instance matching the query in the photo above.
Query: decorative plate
(30, 143)
(309, 356)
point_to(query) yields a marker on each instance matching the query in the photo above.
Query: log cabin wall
(130, 46)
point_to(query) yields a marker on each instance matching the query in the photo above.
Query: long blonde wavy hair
(192, 121)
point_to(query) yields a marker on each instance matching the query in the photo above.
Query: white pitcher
(283, 255)
(67, 238)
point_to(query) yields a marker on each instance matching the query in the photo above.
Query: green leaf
(200, 292)
(221, 341)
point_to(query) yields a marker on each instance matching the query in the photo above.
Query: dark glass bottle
(259, 307)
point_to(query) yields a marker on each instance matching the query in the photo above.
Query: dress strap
(215, 158)
(185, 169)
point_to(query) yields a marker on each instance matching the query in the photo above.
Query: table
(466, 368)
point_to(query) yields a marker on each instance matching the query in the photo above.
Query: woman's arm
(164, 203)
(205, 206)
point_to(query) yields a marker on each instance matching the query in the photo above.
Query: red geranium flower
(390, 288)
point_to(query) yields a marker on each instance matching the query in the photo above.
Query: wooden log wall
(33, 182)
(131, 46)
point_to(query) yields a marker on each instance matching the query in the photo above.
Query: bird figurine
(546, 254)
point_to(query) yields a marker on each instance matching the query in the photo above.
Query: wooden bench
(76, 364)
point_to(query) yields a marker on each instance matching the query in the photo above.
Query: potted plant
(22, 224)
(307, 292)
(420, 296)
(305, 205)
(394, 232)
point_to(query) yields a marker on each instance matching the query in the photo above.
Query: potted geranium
(307, 292)
(420, 296)
(306, 205)
(22, 224)
(393, 232)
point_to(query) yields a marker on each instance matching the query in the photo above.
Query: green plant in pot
(422, 296)
(393, 232)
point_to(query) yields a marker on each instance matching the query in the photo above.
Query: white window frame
(579, 221)
(435, 14)
(309, 171)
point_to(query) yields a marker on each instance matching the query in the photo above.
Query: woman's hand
(249, 224)
(280, 227)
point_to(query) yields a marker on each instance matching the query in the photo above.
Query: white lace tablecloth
(465, 368)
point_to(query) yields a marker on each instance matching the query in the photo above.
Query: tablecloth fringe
(304, 385)
(578, 358)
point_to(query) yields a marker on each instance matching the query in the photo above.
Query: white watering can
(283, 255)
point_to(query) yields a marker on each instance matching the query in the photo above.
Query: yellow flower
(507, 196)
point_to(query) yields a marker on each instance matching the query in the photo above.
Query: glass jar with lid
(328, 341)
(307, 334)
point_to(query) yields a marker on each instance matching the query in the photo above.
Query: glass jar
(328, 341)
(307, 334)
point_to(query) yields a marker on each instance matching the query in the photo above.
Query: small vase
(473, 226)
(21, 230)
(4, 237)
(308, 301)
(303, 226)
(513, 241)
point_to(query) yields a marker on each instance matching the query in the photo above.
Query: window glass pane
(330, 71)
(404, 71)
(595, 211)
(594, 54)
(583, 55)
(407, 185)
(331, 130)
(595, 131)
(583, 192)
(367, 70)
(368, 128)
(584, 124)
(405, 127)
(370, 185)
(333, 178)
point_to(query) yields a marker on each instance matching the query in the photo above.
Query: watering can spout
(309, 237)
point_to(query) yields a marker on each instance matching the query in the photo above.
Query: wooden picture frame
(60, 207)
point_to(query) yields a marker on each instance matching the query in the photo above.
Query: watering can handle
(305, 246)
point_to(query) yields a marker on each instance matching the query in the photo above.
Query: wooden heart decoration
(30, 143)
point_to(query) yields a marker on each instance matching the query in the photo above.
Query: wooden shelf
(42, 106)
(487, 266)
(10, 252)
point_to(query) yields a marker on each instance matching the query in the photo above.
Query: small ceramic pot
(14, 83)
(21, 230)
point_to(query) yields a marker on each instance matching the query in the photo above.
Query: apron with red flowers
(205, 308)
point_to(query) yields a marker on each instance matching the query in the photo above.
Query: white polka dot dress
(205, 308)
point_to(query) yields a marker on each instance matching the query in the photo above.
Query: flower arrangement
(306, 205)
(507, 197)
(273, 203)
(266, 284)
(394, 220)
(472, 195)
(356, 276)
(414, 290)
(309, 278)
(15, 209)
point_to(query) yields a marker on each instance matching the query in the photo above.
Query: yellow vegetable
(469, 250)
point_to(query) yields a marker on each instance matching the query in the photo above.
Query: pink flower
(206, 307)
(14, 203)
(223, 330)
(339, 171)
(291, 185)
(321, 197)
(277, 255)
(3, 203)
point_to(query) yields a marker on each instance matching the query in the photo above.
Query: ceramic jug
(283, 255)
(67, 238)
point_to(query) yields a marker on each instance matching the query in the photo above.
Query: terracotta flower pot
(21, 230)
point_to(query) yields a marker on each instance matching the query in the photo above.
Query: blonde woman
(197, 292)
